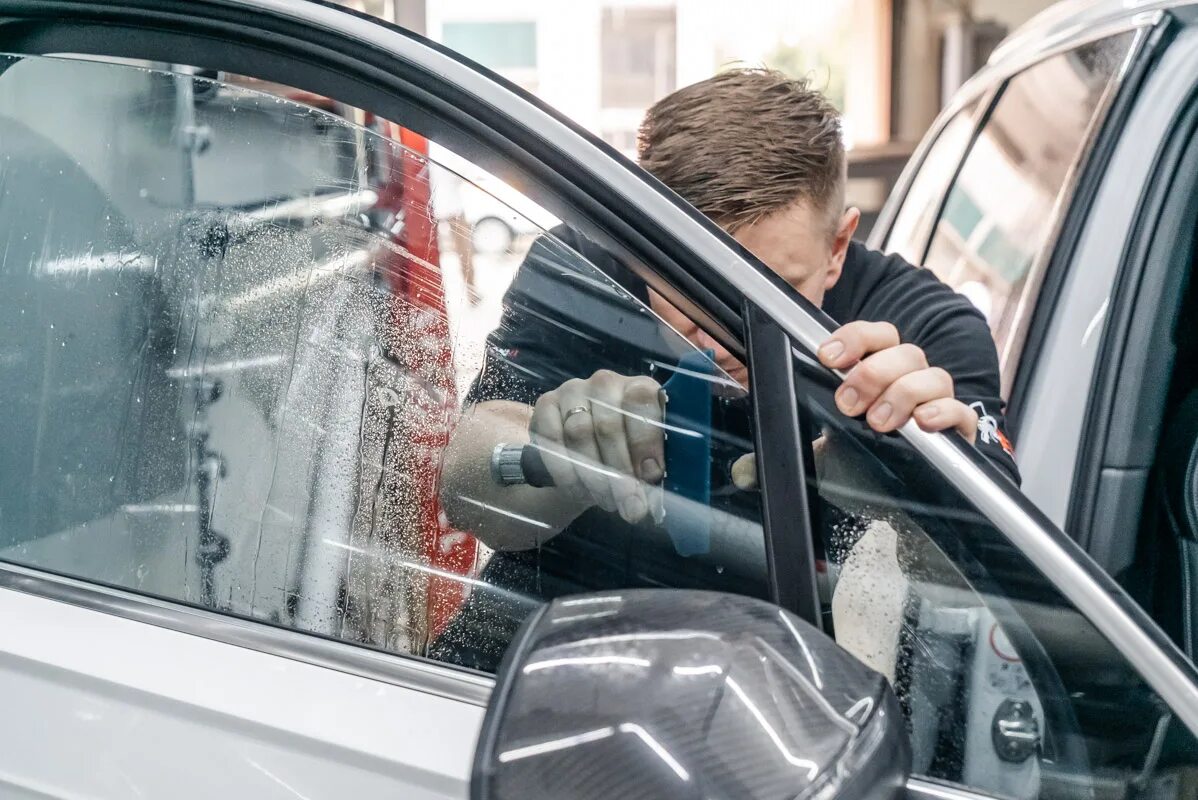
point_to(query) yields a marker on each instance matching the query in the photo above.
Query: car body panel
(1070, 20)
(152, 712)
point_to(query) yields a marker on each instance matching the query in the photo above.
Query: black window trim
(788, 517)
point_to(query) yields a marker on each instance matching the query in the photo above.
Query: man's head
(762, 155)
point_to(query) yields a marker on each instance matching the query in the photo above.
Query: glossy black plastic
(684, 694)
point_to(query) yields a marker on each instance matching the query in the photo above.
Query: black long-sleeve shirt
(563, 320)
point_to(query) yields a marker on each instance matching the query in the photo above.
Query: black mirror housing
(683, 694)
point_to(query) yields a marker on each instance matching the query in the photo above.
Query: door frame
(304, 49)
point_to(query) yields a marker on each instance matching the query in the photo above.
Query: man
(762, 155)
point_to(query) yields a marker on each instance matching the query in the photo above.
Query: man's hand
(601, 439)
(891, 382)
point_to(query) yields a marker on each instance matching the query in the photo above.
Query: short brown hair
(744, 144)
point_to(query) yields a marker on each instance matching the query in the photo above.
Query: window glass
(260, 350)
(1000, 215)
(1006, 687)
(909, 234)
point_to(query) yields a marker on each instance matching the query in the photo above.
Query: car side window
(262, 350)
(998, 222)
(1006, 687)
(908, 236)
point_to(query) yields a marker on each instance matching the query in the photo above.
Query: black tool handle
(532, 464)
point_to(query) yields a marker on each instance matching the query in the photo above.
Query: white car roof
(1063, 25)
(1071, 19)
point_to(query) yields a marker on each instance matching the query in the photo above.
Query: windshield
(1006, 686)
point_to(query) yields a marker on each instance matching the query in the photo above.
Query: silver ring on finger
(576, 410)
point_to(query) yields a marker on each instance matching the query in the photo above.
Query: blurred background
(889, 65)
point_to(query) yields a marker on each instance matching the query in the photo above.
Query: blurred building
(890, 65)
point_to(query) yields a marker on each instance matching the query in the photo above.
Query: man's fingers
(600, 435)
(866, 382)
(545, 429)
(850, 343)
(642, 427)
(948, 413)
(578, 434)
(894, 407)
(744, 472)
(607, 416)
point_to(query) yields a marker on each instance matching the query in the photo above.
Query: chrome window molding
(921, 789)
(880, 234)
(1004, 65)
(630, 190)
(406, 672)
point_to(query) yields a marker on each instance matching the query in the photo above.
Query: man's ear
(845, 228)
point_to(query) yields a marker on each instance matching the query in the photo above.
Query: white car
(228, 376)
(1056, 192)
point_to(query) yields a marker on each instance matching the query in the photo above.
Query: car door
(1010, 688)
(261, 382)
(999, 217)
(233, 364)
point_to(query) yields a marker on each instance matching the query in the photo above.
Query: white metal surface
(1072, 18)
(103, 707)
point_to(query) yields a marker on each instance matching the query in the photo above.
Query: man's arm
(943, 342)
(539, 368)
(503, 517)
(599, 437)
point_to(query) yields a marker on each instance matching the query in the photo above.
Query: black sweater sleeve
(944, 324)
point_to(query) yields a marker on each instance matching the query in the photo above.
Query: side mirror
(684, 694)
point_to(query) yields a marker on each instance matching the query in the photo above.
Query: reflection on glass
(909, 235)
(1006, 687)
(997, 220)
(247, 328)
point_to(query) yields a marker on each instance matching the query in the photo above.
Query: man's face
(799, 244)
(803, 244)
